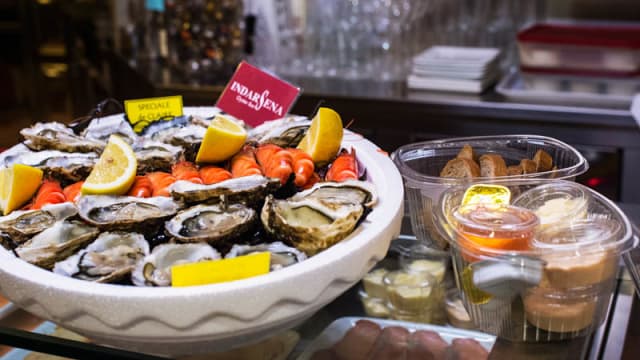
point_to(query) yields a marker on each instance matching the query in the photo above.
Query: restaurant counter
(616, 338)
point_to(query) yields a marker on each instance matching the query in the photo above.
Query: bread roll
(543, 160)
(528, 166)
(514, 170)
(460, 168)
(492, 165)
(467, 153)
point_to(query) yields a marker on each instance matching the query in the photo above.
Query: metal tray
(568, 90)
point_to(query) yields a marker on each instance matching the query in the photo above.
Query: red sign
(255, 96)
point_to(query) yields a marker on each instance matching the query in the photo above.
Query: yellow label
(217, 271)
(142, 112)
(487, 194)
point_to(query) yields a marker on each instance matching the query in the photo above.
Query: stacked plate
(448, 68)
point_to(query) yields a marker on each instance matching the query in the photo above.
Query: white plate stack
(449, 68)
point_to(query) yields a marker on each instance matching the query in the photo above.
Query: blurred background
(60, 58)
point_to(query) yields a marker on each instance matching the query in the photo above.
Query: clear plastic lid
(595, 224)
(502, 227)
(556, 203)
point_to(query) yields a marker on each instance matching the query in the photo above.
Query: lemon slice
(17, 185)
(486, 194)
(114, 172)
(324, 137)
(224, 137)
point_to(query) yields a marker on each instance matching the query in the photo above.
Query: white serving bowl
(175, 321)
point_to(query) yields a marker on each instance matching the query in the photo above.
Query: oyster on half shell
(100, 129)
(59, 164)
(211, 223)
(248, 190)
(155, 268)
(57, 136)
(56, 243)
(125, 212)
(281, 254)
(285, 132)
(351, 190)
(310, 224)
(109, 258)
(155, 155)
(21, 225)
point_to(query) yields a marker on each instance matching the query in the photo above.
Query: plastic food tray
(581, 48)
(337, 329)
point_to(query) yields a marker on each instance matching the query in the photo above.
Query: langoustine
(185, 170)
(244, 163)
(72, 192)
(213, 174)
(275, 162)
(142, 187)
(50, 192)
(344, 167)
(160, 182)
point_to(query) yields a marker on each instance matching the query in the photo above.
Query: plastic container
(420, 165)
(580, 49)
(557, 288)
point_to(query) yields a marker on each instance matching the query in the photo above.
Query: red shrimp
(160, 182)
(142, 187)
(73, 191)
(302, 166)
(344, 167)
(185, 170)
(213, 174)
(49, 192)
(313, 179)
(275, 162)
(244, 163)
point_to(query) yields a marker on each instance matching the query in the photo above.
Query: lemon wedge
(322, 141)
(18, 183)
(115, 171)
(224, 138)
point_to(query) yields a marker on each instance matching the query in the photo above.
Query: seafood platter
(100, 263)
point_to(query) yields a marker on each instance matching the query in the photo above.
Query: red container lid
(613, 36)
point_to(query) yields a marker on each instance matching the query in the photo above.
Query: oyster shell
(248, 190)
(281, 254)
(100, 129)
(188, 137)
(57, 136)
(211, 223)
(285, 132)
(155, 269)
(109, 258)
(125, 212)
(62, 165)
(155, 155)
(158, 129)
(21, 225)
(56, 243)
(310, 224)
(351, 191)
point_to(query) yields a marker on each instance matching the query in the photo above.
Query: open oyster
(211, 223)
(155, 269)
(21, 225)
(109, 258)
(100, 129)
(285, 132)
(281, 254)
(351, 190)
(56, 243)
(125, 212)
(57, 136)
(310, 224)
(248, 190)
(59, 164)
(155, 155)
